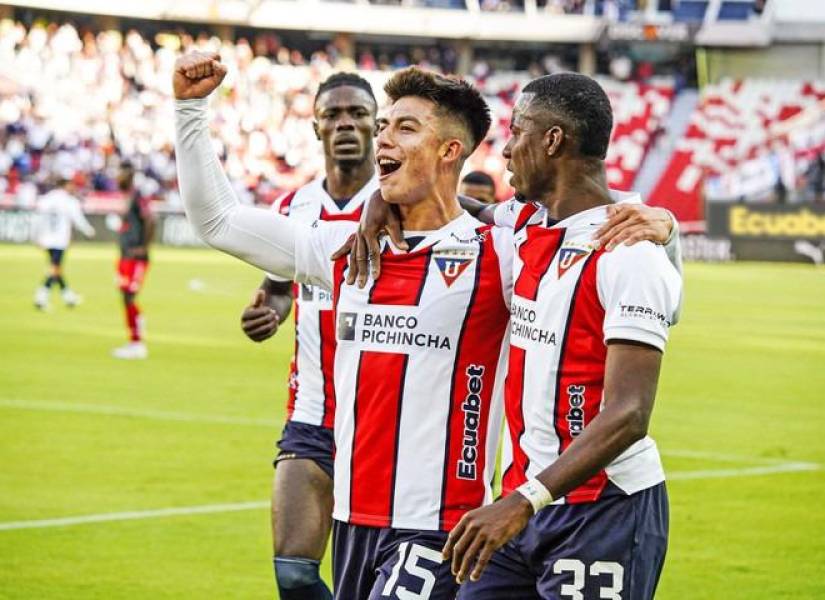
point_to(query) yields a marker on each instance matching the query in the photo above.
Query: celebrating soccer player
(589, 516)
(417, 352)
(345, 111)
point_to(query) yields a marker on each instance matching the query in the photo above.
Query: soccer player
(589, 516)
(345, 111)
(57, 211)
(137, 229)
(416, 426)
(479, 185)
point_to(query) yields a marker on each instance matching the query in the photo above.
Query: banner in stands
(652, 32)
(20, 227)
(779, 232)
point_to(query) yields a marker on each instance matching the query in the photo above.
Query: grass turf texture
(743, 375)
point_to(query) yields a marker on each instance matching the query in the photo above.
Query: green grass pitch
(740, 419)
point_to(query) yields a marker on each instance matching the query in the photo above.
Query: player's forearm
(673, 248)
(631, 376)
(480, 210)
(609, 434)
(278, 297)
(259, 237)
(673, 245)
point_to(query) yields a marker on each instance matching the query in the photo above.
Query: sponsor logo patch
(569, 256)
(636, 311)
(451, 266)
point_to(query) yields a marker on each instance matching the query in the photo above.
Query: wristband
(537, 495)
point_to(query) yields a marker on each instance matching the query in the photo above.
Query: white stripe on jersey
(391, 462)
(632, 291)
(308, 373)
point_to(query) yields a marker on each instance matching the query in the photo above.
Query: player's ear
(553, 139)
(315, 129)
(452, 150)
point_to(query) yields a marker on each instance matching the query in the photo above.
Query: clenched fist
(197, 74)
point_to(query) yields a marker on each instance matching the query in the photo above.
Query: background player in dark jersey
(345, 110)
(606, 534)
(136, 232)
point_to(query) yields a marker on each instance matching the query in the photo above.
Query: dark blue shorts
(613, 548)
(371, 563)
(302, 440)
(56, 256)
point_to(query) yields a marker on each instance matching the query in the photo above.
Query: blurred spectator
(88, 101)
(478, 185)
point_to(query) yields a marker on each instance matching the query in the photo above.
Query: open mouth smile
(388, 166)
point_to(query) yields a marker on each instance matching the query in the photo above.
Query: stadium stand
(737, 121)
(117, 86)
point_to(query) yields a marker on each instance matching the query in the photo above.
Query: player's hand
(259, 322)
(197, 74)
(364, 247)
(481, 532)
(631, 223)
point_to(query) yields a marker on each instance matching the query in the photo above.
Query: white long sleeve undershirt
(258, 236)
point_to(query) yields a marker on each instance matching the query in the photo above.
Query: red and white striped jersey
(568, 300)
(418, 408)
(311, 390)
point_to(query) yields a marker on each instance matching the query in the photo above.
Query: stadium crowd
(82, 102)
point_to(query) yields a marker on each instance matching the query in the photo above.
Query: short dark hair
(581, 101)
(342, 79)
(451, 95)
(478, 178)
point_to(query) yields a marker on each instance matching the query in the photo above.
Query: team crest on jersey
(452, 265)
(570, 255)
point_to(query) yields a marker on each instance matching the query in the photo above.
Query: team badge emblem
(569, 257)
(451, 267)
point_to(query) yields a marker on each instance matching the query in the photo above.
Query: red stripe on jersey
(402, 279)
(527, 211)
(378, 393)
(293, 365)
(286, 202)
(350, 216)
(536, 254)
(338, 271)
(580, 379)
(474, 371)
(516, 473)
(326, 326)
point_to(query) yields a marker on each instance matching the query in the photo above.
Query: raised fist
(197, 74)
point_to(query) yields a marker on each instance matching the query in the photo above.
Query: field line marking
(135, 515)
(120, 411)
(241, 506)
(724, 457)
(791, 467)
